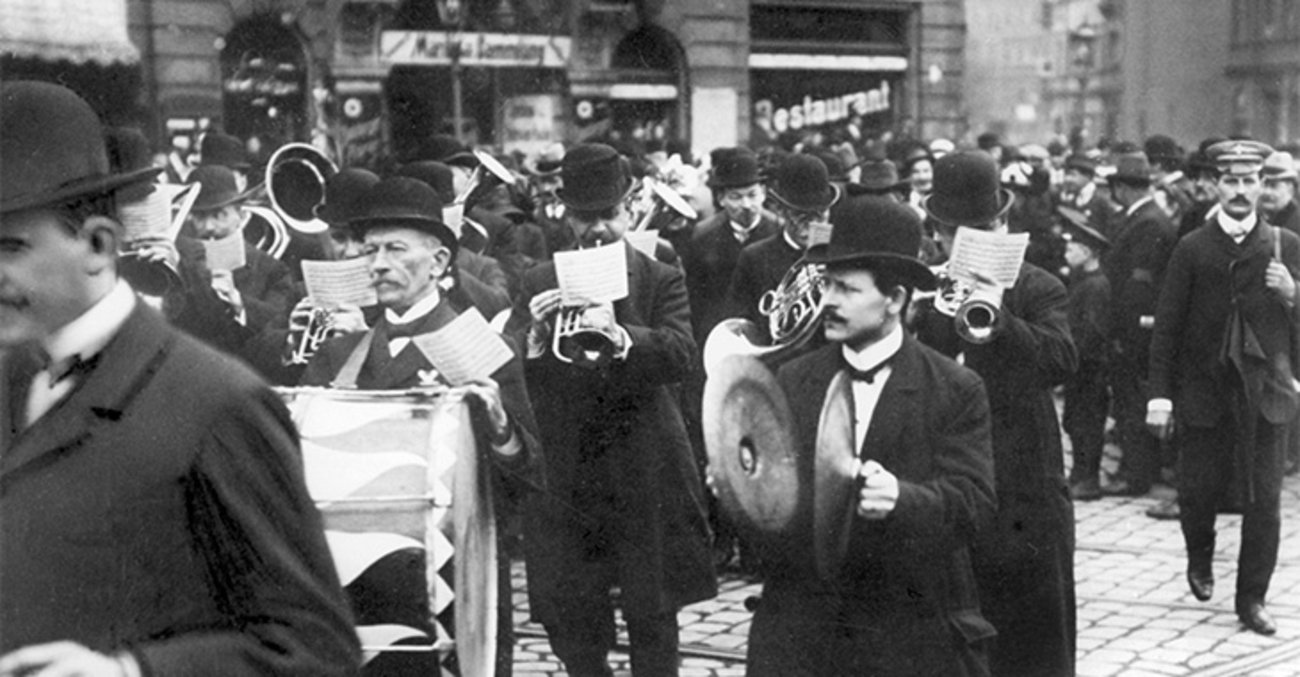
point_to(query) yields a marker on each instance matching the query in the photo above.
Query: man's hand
(487, 394)
(601, 317)
(347, 318)
(157, 248)
(541, 308)
(879, 493)
(223, 283)
(1160, 424)
(65, 659)
(1279, 279)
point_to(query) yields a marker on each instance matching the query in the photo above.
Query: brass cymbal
(749, 434)
(835, 480)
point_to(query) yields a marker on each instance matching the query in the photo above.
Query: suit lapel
(127, 361)
(403, 369)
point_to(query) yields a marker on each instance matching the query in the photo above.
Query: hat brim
(101, 185)
(597, 205)
(1006, 198)
(811, 206)
(911, 269)
(201, 206)
(734, 183)
(423, 224)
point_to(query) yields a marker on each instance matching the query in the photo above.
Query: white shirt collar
(421, 308)
(1237, 229)
(1141, 201)
(877, 352)
(92, 330)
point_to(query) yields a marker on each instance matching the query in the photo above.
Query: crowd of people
(153, 513)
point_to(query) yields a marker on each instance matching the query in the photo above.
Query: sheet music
(188, 194)
(995, 255)
(465, 349)
(643, 240)
(454, 216)
(226, 253)
(332, 283)
(148, 218)
(596, 275)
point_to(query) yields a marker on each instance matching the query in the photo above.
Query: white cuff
(1160, 404)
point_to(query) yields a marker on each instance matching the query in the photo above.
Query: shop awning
(79, 31)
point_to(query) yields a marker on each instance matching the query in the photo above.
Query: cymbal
(835, 480)
(749, 434)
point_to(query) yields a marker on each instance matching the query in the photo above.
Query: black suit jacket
(759, 268)
(161, 508)
(709, 262)
(1135, 267)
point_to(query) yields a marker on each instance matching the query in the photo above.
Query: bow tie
(67, 367)
(407, 330)
(867, 375)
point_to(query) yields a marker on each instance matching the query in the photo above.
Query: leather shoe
(1125, 488)
(1200, 578)
(1085, 490)
(1257, 619)
(1164, 510)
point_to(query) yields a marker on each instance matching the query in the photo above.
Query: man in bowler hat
(915, 426)
(1223, 360)
(624, 506)
(153, 514)
(1024, 563)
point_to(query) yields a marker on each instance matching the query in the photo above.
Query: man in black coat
(915, 426)
(1222, 363)
(1135, 267)
(153, 514)
(1024, 564)
(624, 506)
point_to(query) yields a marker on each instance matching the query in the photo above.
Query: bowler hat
(1161, 148)
(802, 182)
(874, 231)
(733, 168)
(217, 148)
(52, 149)
(1132, 169)
(1280, 165)
(835, 169)
(128, 151)
(595, 177)
(967, 190)
(1078, 228)
(436, 174)
(404, 202)
(217, 187)
(343, 194)
(879, 175)
(547, 162)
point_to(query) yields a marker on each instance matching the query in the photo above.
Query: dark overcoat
(709, 260)
(759, 268)
(161, 507)
(905, 603)
(1135, 266)
(624, 500)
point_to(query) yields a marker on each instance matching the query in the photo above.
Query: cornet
(975, 308)
(585, 335)
(306, 340)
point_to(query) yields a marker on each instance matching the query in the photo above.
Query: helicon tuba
(793, 311)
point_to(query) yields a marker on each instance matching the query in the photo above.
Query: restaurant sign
(499, 50)
(784, 102)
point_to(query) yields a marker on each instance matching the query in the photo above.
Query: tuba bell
(793, 311)
(295, 185)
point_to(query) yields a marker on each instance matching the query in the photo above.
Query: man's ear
(102, 236)
(441, 261)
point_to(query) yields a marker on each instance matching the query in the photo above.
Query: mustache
(1239, 201)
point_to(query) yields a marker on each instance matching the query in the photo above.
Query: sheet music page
(643, 240)
(182, 199)
(995, 255)
(148, 218)
(332, 283)
(226, 253)
(465, 349)
(596, 275)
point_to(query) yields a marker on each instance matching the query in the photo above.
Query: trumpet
(584, 335)
(793, 311)
(307, 339)
(975, 308)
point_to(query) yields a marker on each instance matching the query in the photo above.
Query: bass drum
(409, 518)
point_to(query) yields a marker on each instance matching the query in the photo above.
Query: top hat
(223, 149)
(595, 177)
(967, 190)
(547, 162)
(1078, 229)
(436, 174)
(1242, 156)
(403, 202)
(733, 168)
(1132, 169)
(872, 231)
(217, 187)
(802, 182)
(52, 149)
(1280, 165)
(1082, 163)
(343, 195)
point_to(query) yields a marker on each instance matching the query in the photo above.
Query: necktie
(867, 375)
(70, 367)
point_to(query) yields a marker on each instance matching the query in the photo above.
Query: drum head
(835, 480)
(749, 433)
(475, 539)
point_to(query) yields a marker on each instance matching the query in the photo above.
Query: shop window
(489, 16)
(264, 84)
(827, 25)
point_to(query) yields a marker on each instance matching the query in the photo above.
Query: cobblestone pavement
(1136, 616)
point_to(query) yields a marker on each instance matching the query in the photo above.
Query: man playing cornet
(916, 427)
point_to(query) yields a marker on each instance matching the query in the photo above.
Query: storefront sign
(436, 48)
(786, 102)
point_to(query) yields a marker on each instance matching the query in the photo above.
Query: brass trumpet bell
(579, 340)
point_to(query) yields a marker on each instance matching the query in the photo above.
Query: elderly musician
(903, 602)
(1024, 564)
(624, 506)
(153, 514)
(410, 249)
(1223, 362)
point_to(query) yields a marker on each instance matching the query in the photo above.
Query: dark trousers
(1087, 402)
(1140, 462)
(585, 635)
(1207, 467)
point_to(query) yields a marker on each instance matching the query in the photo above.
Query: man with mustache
(1135, 267)
(1223, 358)
(624, 506)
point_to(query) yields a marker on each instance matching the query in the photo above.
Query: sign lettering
(810, 112)
(474, 49)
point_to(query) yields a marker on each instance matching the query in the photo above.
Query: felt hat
(878, 175)
(217, 148)
(1161, 148)
(403, 202)
(733, 168)
(874, 231)
(1132, 169)
(967, 190)
(1280, 165)
(52, 149)
(836, 170)
(344, 192)
(217, 187)
(437, 175)
(595, 177)
(1077, 228)
(547, 162)
(802, 182)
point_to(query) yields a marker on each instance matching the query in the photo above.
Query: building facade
(1264, 69)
